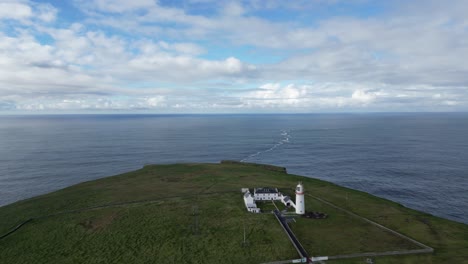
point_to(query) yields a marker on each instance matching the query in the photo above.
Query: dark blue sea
(419, 160)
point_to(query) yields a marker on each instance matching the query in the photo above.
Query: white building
(250, 203)
(265, 193)
(244, 190)
(272, 194)
(286, 200)
(300, 203)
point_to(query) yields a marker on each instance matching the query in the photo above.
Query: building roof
(266, 190)
(287, 199)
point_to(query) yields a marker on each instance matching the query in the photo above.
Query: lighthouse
(300, 206)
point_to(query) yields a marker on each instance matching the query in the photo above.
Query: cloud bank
(236, 56)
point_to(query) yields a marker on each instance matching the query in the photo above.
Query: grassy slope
(166, 230)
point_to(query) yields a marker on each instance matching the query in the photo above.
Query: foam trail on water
(285, 139)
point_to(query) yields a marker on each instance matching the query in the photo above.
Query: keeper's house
(266, 193)
(250, 203)
(272, 194)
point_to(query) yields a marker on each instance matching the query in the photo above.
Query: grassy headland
(194, 213)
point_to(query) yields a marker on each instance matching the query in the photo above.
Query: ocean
(417, 159)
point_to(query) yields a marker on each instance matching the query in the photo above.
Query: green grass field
(194, 213)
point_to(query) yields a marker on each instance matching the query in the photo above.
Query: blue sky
(204, 56)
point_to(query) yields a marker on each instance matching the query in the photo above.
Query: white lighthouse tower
(300, 206)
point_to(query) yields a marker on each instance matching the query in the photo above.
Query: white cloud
(349, 97)
(24, 11)
(46, 13)
(117, 6)
(183, 68)
(233, 9)
(362, 96)
(81, 61)
(93, 103)
(185, 48)
(15, 10)
(155, 101)
(396, 48)
(157, 56)
(269, 97)
(308, 97)
(275, 95)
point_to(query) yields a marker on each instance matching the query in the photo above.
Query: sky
(212, 56)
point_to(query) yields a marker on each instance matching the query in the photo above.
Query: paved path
(300, 249)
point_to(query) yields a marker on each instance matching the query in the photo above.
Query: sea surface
(419, 160)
